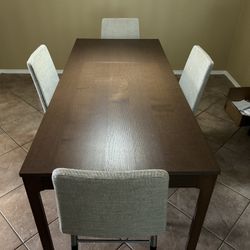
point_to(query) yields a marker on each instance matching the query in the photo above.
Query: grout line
(12, 228)
(11, 150)
(4, 132)
(209, 230)
(26, 102)
(205, 110)
(224, 242)
(19, 144)
(221, 244)
(22, 244)
(180, 210)
(191, 218)
(53, 221)
(173, 193)
(19, 186)
(228, 120)
(223, 144)
(233, 226)
(34, 235)
(31, 237)
(229, 245)
(26, 150)
(235, 191)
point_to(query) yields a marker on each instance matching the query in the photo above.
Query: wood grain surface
(118, 106)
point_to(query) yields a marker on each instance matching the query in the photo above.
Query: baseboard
(176, 72)
(214, 72)
(217, 72)
(21, 71)
(230, 78)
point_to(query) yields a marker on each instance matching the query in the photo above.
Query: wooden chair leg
(153, 242)
(74, 242)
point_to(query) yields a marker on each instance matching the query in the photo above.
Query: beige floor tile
(198, 112)
(10, 164)
(24, 88)
(226, 247)
(10, 80)
(175, 238)
(62, 241)
(171, 191)
(49, 201)
(22, 247)
(213, 146)
(7, 98)
(215, 129)
(24, 129)
(225, 207)
(239, 238)
(8, 239)
(15, 207)
(235, 170)
(27, 146)
(208, 99)
(6, 144)
(29, 95)
(219, 84)
(34, 102)
(208, 241)
(13, 108)
(218, 110)
(177, 234)
(21, 86)
(240, 142)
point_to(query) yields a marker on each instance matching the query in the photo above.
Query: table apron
(41, 183)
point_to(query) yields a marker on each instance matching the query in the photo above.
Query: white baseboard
(217, 72)
(214, 72)
(230, 78)
(21, 71)
(14, 71)
(176, 72)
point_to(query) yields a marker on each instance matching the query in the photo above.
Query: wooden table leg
(33, 192)
(206, 186)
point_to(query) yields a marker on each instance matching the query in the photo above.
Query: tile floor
(227, 225)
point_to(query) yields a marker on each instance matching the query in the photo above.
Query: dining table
(118, 106)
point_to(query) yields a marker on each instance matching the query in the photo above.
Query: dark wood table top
(118, 106)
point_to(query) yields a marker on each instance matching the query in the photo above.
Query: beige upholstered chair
(195, 76)
(44, 75)
(107, 204)
(120, 28)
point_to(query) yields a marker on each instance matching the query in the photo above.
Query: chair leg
(153, 242)
(74, 242)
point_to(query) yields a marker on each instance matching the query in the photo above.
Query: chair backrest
(120, 28)
(111, 204)
(44, 75)
(195, 75)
